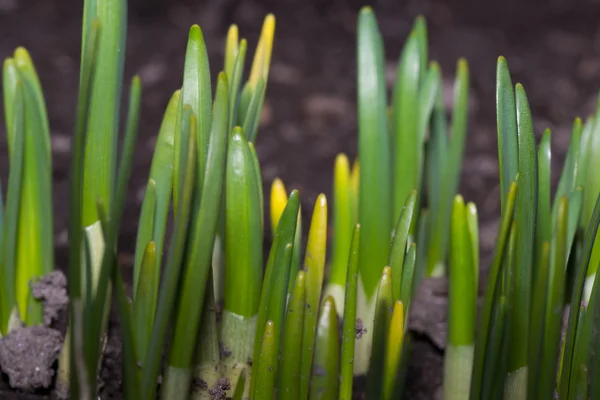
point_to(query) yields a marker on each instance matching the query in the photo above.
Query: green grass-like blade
(7, 266)
(526, 216)
(395, 341)
(383, 315)
(342, 222)
(254, 109)
(539, 299)
(437, 160)
(324, 383)
(275, 282)
(408, 277)
(144, 305)
(76, 178)
(34, 251)
(485, 320)
(243, 239)
(264, 371)
(576, 298)
(399, 244)
(202, 234)
(460, 116)
(555, 302)
(170, 282)
(131, 382)
(570, 172)
(375, 207)
(543, 229)
(98, 308)
(232, 48)
(506, 115)
(292, 340)
(462, 287)
(428, 93)
(259, 184)
(100, 163)
(349, 320)
(314, 263)
(239, 386)
(196, 92)
(235, 81)
(407, 144)
(473, 229)
(154, 214)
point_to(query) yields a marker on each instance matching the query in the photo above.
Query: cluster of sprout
(300, 325)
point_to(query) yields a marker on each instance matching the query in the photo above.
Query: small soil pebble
(52, 290)
(360, 328)
(27, 356)
(219, 391)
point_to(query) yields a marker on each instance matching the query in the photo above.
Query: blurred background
(552, 47)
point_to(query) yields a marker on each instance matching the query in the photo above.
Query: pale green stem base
(209, 372)
(176, 384)
(365, 311)
(515, 387)
(338, 292)
(587, 288)
(237, 336)
(439, 270)
(458, 366)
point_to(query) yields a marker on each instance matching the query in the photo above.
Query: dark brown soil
(552, 47)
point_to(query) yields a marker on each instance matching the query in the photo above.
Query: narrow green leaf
(407, 144)
(235, 82)
(408, 277)
(259, 185)
(399, 243)
(291, 356)
(274, 288)
(243, 239)
(460, 116)
(131, 383)
(428, 93)
(375, 207)
(100, 162)
(253, 113)
(144, 305)
(383, 315)
(342, 222)
(506, 115)
(395, 341)
(526, 217)
(576, 298)
(170, 282)
(324, 383)
(485, 320)
(264, 372)
(349, 320)
(232, 49)
(314, 263)
(543, 229)
(570, 172)
(202, 234)
(153, 218)
(90, 36)
(13, 201)
(462, 296)
(555, 302)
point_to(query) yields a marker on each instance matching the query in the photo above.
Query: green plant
(291, 327)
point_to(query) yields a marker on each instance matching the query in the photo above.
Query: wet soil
(552, 47)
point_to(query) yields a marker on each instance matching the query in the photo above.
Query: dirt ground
(553, 48)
